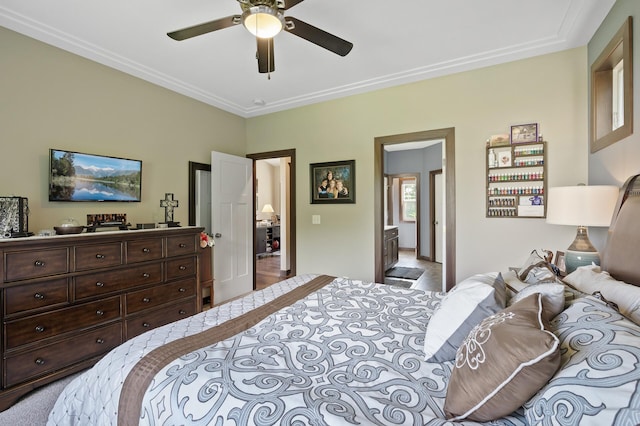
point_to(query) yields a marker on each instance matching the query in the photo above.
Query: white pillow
(464, 307)
(552, 297)
(589, 279)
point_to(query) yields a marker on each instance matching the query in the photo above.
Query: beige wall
(268, 178)
(54, 99)
(549, 90)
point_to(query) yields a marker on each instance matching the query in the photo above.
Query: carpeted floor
(33, 409)
(406, 273)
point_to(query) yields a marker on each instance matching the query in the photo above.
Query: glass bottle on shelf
(492, 159)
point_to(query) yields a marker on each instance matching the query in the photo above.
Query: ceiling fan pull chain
(269, 41)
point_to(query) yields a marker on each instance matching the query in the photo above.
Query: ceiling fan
(265, 19)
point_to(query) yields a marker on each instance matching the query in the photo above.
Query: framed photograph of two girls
(333, 182)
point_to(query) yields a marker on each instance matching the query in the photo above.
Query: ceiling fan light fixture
(263, 21)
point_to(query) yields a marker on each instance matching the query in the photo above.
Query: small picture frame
(504, 158)
(333, 182)
(523, 133)
(499, 140)
(559, 261)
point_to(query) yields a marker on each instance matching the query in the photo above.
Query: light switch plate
(315, 219)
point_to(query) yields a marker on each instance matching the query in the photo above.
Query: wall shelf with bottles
(516, 181)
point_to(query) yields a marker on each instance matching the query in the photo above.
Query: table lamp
(581, 206)
(267, 208)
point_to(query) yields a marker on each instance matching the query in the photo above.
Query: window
(618, 95)
(408, 206)
(611, 115)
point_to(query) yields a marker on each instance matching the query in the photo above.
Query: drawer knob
(182, 245)
(39, 263)
(182, 267)
(99, 312)
(182, 289)
(146, 325)
(100, 256)
(145, 275)
(39, 328)
(182, 312)
(146, 300)
(99, 341)
(39, 361)
(146, 250)
(99, 284)
(39, 296)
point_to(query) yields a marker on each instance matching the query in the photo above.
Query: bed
(499, 349)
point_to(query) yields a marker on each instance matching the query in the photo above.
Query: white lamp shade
(262, 21)
(581, 205)
(267, 209)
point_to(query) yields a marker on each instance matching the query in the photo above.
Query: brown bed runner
(143, 372)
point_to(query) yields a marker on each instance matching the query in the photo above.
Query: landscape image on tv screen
(75, 176)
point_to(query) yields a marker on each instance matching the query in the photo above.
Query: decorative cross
(168, 203)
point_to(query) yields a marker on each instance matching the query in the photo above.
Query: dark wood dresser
(67, 300)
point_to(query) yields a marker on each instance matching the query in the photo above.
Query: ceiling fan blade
(266, 62)
(318, 36)
(205, 28)
(288, 4)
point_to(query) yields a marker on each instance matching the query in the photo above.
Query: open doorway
(274, 203)
(446, 163)
(402, 209)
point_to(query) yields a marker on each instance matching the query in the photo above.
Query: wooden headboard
(621, 256)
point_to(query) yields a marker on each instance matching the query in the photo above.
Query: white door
(232, 225)
(439, 235)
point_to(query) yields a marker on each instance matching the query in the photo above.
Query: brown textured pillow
(503, 362)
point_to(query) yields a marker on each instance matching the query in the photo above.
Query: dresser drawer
(181, 245)
(42, 326)
(46, 359)
(159, 295)
(143, 250)
(108, 282)
(33, 296)
(98, 256)
(390, 233)
(38, 263)
(185, 267)
(159, 317)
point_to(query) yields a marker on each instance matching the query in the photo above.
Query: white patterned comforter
(350, 353)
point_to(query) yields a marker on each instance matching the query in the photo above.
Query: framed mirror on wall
(200, 195)
(611, 91)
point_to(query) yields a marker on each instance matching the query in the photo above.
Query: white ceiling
(395, 42)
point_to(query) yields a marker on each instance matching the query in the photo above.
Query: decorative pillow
(552, 297)
(503, 362)
(466, 304)
(589, 279)
(598, 382)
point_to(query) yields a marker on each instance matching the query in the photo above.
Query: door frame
(432, 210)
(291, 153)
(193, 166)
(448, 135)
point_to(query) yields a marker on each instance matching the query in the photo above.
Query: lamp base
(581, 252)
(574, 259)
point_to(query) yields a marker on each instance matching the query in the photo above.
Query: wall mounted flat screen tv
(74, 176)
